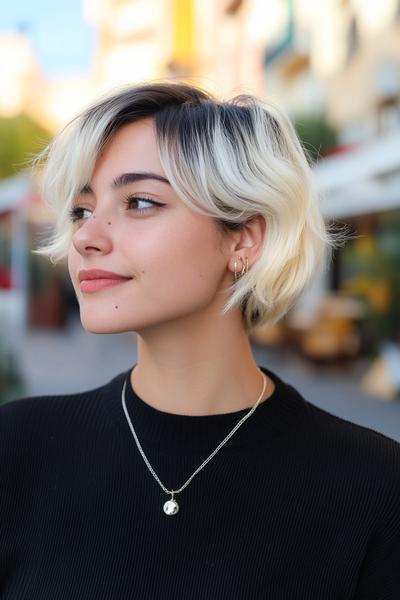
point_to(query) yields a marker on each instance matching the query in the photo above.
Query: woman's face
(137, 227)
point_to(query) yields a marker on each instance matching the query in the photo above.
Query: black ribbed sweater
(298, 504)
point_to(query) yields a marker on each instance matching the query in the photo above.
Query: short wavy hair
(230, 160)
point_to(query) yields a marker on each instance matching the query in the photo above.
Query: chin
(102, 323)
(101, 328)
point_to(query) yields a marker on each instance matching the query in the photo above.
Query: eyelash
(75, 214)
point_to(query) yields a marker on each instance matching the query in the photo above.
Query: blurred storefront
(335, 67)
(361, 187)
(13, 278)
(353, 308)
(30, 288)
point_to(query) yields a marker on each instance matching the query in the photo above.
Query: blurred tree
(316, 134)
(20, 139)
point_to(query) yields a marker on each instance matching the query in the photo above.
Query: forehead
(133, 146)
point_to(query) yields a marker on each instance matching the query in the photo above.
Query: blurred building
(133, 39)
(338, 62)
(26, 89)
(217, 43)
(340, 56)
(20, 73)
(305, 54)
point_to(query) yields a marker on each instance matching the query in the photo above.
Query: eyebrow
(127, 178)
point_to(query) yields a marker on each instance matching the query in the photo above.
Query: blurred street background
(332, 65)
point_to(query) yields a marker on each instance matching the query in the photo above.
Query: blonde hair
(230, 160)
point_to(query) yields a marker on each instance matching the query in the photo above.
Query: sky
(63, 43)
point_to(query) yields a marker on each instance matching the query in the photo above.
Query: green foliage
(20, 139)
(370, 269)
(316, 135)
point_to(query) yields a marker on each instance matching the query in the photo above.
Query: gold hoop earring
(244, 270)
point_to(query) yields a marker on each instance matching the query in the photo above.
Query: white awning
(363, 180)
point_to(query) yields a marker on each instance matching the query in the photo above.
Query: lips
(85, 275)
(94, 280)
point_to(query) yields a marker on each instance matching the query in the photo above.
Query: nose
(93, 236)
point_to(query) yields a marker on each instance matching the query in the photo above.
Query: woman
(197, 473)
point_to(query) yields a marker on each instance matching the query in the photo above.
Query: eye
(75, 214)
(140, 200)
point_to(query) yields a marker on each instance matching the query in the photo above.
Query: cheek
(187, 261)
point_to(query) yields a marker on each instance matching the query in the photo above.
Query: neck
(202, 367)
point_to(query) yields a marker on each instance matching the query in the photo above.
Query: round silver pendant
(171, 507)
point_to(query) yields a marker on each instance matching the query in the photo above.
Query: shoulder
(344, 447)
(323, 438)
(24, 410)
(348, 459)
(27, 419)
(331, 427)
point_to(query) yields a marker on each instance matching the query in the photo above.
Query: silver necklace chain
(171, 507)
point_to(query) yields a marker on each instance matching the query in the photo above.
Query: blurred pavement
(73, 360)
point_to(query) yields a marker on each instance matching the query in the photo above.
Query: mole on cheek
(116, 307)
(109, 222)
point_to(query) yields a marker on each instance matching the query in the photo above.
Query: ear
(247, 241)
